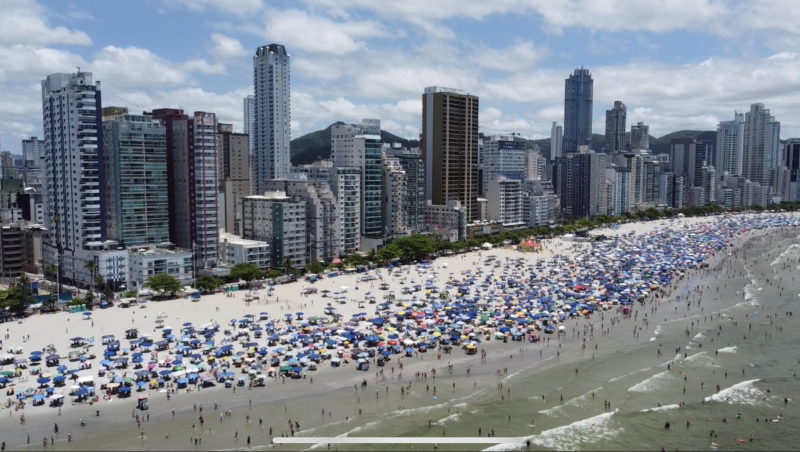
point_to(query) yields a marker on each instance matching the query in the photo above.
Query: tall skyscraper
(75, 184)
(233, 174)
(615, 128)
(686, 161)
(272, 125)
(250, 120)
(640, 136)
(193, 185)
(137, 179)
(450, 148)
(761, 144)
(556, 141)
(502, 156)
(578, 102)
(730, 146)
(581, 178)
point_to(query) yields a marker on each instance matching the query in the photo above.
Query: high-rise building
(791, 162)
(323, 242)
(272, 124)
(505, 201)
(137, 179)
(279, 220)
(761, 144)
(687, 160)
(250, 120)
(75, 183)
(346, 185)
(502, 156)
(578, 103)
(580, 179)
(233, 175)
(556, 141)
(33, 162)
(535, 164)
(359, 146)
(395, 198)
(615, 128)
(193, 185)
(450, 148)
(414, 166)
(640, 136)
(730, 145)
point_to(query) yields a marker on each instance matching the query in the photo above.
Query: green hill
(317, 145)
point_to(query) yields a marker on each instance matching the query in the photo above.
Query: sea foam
(745, 393)
(727, 350)
(652, 383)
(578, 402)
(661, 409)
(570, 437)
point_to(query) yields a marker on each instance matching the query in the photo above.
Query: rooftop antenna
(79, 69)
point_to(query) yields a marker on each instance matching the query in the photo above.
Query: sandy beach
(269, 407)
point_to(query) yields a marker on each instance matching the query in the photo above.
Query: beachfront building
(791, 163)
(578, 102)
(395, 191)
(414, 166)
(193, 185)
(640, 136)
(539, 203)
(137, 188)
(359, 146)
(323, 242)
(504, 201)
(74, 200)
(620, 202)
(450, 148)
(448, 221)
(671, 190)
(580, 178)
(556, 141)
(273, 113)
(502, 157)
(233, 174)
(151, 260)
(236, 250)
(20, 250)
(615, 128)
(346, 185)
(279, 220)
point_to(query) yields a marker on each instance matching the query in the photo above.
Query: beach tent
(487, 246)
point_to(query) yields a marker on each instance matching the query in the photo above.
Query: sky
(676, 64)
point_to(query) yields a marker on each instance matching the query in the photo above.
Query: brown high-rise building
(233, 175)
(450, 147)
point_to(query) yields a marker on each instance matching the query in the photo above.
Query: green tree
(272, 274)
(131, 294)
(355, 260)
(163, 283)
(388, 253)
(245, 271)
(288, 268)
(17, 298)
(206, 283)
(414, 247)
(315, 267)
(50, 274)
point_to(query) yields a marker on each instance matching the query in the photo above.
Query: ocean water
(730, 349)
(742, 340)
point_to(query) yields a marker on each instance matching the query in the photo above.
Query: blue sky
(675, 63)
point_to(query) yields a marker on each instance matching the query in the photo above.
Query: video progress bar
(399, 440)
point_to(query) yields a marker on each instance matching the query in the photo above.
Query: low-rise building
(236, 250)
(145, 261)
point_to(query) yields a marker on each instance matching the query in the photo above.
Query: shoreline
(298, 393)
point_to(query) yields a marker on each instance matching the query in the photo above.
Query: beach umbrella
(43, 381)
(87, 314)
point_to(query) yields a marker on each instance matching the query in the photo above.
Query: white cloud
(226, 47)
(28, 62)
(23, 22)
(511, 59)
(318, 34)
(204, 67)
(134, 67)
(235, 7)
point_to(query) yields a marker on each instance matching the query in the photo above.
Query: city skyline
(518, 73)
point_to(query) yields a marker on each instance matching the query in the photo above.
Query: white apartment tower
(74, 208)
(556, 141)
(271, 127)
(730, 145)
(250, 120)
(761, 144)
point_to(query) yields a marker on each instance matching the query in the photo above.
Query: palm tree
(92, 267)
(50, 272)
